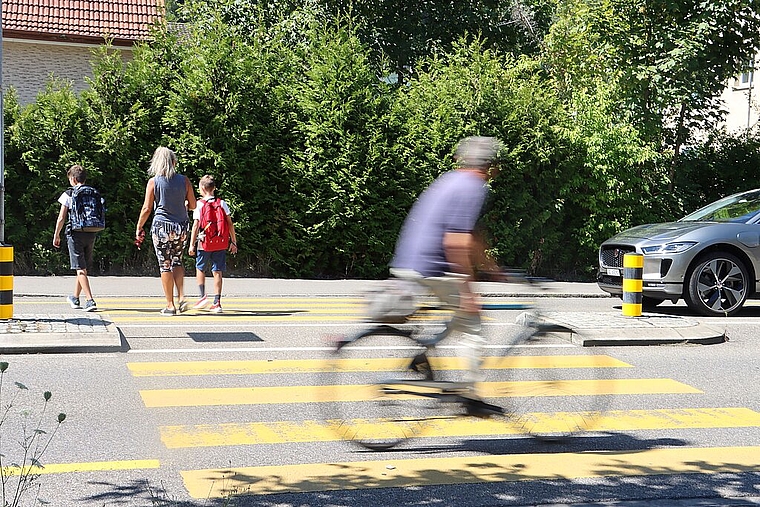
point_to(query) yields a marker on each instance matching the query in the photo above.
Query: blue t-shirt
(452, 203)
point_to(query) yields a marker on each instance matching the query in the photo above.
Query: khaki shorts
(446, 289)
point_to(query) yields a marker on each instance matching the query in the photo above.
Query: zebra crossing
(371, 471)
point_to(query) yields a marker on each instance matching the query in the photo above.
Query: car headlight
(677, 247)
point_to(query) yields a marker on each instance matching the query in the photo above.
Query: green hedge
(320, 157)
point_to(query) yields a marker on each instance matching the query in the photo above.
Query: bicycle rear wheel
(551, 389)
(371, 405)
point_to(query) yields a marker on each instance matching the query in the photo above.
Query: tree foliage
(668, 60)
(320, 155)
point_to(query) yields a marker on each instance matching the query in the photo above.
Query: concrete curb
(701, 335)
(59, 333)
(604, 329)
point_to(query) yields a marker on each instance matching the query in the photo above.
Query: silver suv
(710, 258)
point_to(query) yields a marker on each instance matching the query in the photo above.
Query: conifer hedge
(320, 154)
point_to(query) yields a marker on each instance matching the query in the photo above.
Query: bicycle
(415, 387)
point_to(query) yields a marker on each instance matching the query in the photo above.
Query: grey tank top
(170, 199)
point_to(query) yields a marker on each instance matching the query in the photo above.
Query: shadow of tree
(685, 311)
(487, 480)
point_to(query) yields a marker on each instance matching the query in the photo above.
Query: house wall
(742, 103)
(27, 65)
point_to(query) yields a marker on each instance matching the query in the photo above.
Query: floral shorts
(169, 239)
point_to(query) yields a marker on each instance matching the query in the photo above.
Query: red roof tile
(124, 21)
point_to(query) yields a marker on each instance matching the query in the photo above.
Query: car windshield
(740, 208)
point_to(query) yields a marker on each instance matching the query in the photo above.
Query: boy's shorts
(80, 249)
(218, 260)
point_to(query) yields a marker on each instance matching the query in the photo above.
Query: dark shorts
(169, 241)
(80, 249)
(218, 260)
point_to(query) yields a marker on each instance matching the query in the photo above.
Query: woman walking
(169, 195)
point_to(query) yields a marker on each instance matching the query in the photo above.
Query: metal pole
(6, 251)
(749, 94)
(2, 136)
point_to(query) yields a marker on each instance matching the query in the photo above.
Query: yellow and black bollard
(633, 271)
(6, 282)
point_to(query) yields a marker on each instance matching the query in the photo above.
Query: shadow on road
(684, 311)
(228, 336)
(503, 485)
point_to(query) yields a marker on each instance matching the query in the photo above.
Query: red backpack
(214, 232)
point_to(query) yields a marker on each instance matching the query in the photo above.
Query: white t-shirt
(201, 202)
(65, 198)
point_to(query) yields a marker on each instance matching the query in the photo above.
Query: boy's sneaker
(216, 308)
(202, 303)
(74, 302)
(90, 306)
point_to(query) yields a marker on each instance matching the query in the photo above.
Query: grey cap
(477, 151)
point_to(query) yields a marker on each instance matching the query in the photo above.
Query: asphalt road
(209, 405)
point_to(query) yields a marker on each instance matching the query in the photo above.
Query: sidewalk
(269, 287)
(91, 332)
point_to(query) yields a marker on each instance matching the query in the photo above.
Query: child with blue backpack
(84, 210)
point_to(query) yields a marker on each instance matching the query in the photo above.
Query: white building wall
(742, 100)
(28, 65)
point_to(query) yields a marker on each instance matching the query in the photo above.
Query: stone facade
(28, 65)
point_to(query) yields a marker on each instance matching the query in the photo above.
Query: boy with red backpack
(213, 232)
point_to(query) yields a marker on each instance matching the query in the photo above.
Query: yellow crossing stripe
(281, 432)
(233, 316)
(277, 301)
(95, 466)
(350, 393)
(399, 473)
(253, 315)
(320, 309)
(176, 368)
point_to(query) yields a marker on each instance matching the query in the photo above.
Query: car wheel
(717, 285)
(650, 303)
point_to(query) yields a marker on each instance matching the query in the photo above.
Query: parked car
(710, 258)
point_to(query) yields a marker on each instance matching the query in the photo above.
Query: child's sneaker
(74, 302)
(216, 308)
(202, 303)
(90, 306)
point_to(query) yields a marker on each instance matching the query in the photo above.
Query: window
(745, 79)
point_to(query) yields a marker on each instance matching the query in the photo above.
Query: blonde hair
(163, 162)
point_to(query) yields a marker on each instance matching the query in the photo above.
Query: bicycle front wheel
(553, 389)
(373, 384)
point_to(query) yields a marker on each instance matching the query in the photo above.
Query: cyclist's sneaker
(479, 408)
(182, 306)
(202, 303)
(216, 308)
(90, 306)
(74, 302)
(421, 365)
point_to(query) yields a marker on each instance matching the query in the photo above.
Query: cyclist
(437, 246)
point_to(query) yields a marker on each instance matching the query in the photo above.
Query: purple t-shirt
(452, 203)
